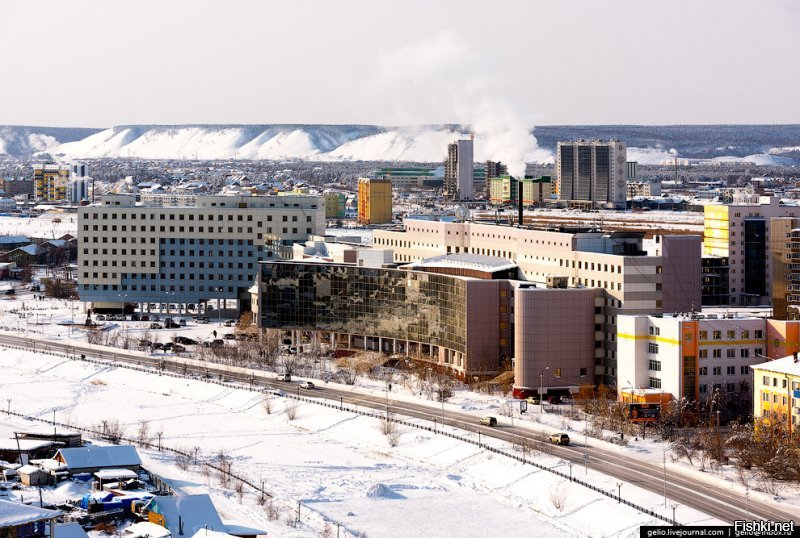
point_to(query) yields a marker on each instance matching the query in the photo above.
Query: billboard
(643, 412)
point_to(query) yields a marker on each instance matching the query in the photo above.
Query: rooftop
(785, 365)
(478, 262)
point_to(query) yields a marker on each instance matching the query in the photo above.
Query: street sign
(523, 406)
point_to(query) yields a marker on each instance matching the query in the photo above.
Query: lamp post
(122, 310)
(541, 389)
(619, 492)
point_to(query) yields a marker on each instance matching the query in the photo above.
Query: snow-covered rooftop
(784, 365)
(466, 261)
(100, 456)
(12, 514)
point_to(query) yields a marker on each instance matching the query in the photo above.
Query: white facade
(593, 172)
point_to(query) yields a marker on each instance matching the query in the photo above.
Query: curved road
(718, 502)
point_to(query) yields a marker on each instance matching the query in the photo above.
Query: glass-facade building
(390, 310)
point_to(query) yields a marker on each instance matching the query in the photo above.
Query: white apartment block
(634, 280)
(692, 355)
(592, 173)
(134, 253)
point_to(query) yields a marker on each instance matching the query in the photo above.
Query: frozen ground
(337, 464)
(49, 225)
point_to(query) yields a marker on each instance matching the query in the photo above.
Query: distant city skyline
(97, 64)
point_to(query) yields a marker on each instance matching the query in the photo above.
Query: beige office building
(636, 276)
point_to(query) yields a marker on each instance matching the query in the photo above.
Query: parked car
(217, 343)
(144, 317)
(489, 421)
(101, 317)
(135, 317)
(559, 439)
(156, 326)
(184, 340)
(535, 400)
(284, 377)
(202, 319)
(566, 400)
(307, 385)
(182, 322)
(177, 348)
(155, 317)
(158, 346)
(10, 291)
(229, 336)
(229, 323)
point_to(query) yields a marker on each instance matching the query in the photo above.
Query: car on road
(560, 439)
(284, 377)
(182, 322)
(184, 340)
(274, 391)
(533, 400)
(307, 385)
(489, 421)
(10, 291)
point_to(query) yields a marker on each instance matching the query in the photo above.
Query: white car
(307, 385)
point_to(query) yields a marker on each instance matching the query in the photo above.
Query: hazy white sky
(99, 63)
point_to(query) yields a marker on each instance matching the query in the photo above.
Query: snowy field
(337, 464)
(48, 225)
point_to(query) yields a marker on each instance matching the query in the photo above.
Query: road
(683, 490)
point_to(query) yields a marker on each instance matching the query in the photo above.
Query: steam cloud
(437, 81)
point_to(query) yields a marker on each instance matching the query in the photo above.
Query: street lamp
(541, 389)
(122, 309)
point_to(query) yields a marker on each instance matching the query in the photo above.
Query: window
(759, 334)
(652, 347)
(744, 352)
(703, 335)
(703, 389)
(731, 370)
(655, 383)
(731, 334)
(730, 353)
(703, 353)
(704, 370)
(717, 370)
(655, 365)
(655, 330)
(745, 334)
(744, 370)
(717, 335)
(717, 353)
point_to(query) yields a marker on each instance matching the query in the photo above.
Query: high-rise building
(374, 201)
(50, 182)
(492, 170)
(776, 397)
(133, 253)
(785, 240)
(16, 186)
(738, 233)
(592, 173)
(459, 171)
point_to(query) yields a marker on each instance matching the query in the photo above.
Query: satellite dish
(462, 213)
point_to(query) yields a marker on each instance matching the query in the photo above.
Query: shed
(185, 514)
(22, 520)
(90, 459)
(70, 439)
(11, 449)
(30, 475)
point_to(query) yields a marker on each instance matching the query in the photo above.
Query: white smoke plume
(437, 81)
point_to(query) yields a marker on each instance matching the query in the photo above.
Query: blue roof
(14, 239)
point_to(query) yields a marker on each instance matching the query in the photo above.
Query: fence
(342, 407)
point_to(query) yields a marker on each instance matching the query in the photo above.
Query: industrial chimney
(520, 221)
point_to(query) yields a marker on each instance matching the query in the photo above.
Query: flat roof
(478, 262)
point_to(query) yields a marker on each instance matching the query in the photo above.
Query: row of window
(134, 287)
(782, 381)
(730, 334)
(183, 229)
(730, 370)
(727, 387)
(730, 353)
(123, 239)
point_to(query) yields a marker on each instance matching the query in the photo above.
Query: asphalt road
(682, 490)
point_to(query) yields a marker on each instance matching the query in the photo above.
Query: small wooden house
(31, 475)
(90, 459)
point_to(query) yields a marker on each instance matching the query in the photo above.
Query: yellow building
(334, 205)
(777, 391)
(374, 201)
(50, 182)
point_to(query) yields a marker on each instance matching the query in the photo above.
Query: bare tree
(558, 497)
(291, 408)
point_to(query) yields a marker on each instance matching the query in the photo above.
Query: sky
(94, 63)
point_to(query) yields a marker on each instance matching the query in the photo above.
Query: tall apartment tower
(374, 201)
(493, 170)
(50, 182)
(458, 171)
(592, 173)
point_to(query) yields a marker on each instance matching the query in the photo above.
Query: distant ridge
(758, 144)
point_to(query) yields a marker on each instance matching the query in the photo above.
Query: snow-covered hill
(756, 144)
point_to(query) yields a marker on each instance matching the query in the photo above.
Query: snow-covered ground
(337, 464)
(49, 225)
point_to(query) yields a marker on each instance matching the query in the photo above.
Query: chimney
(519, 197)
